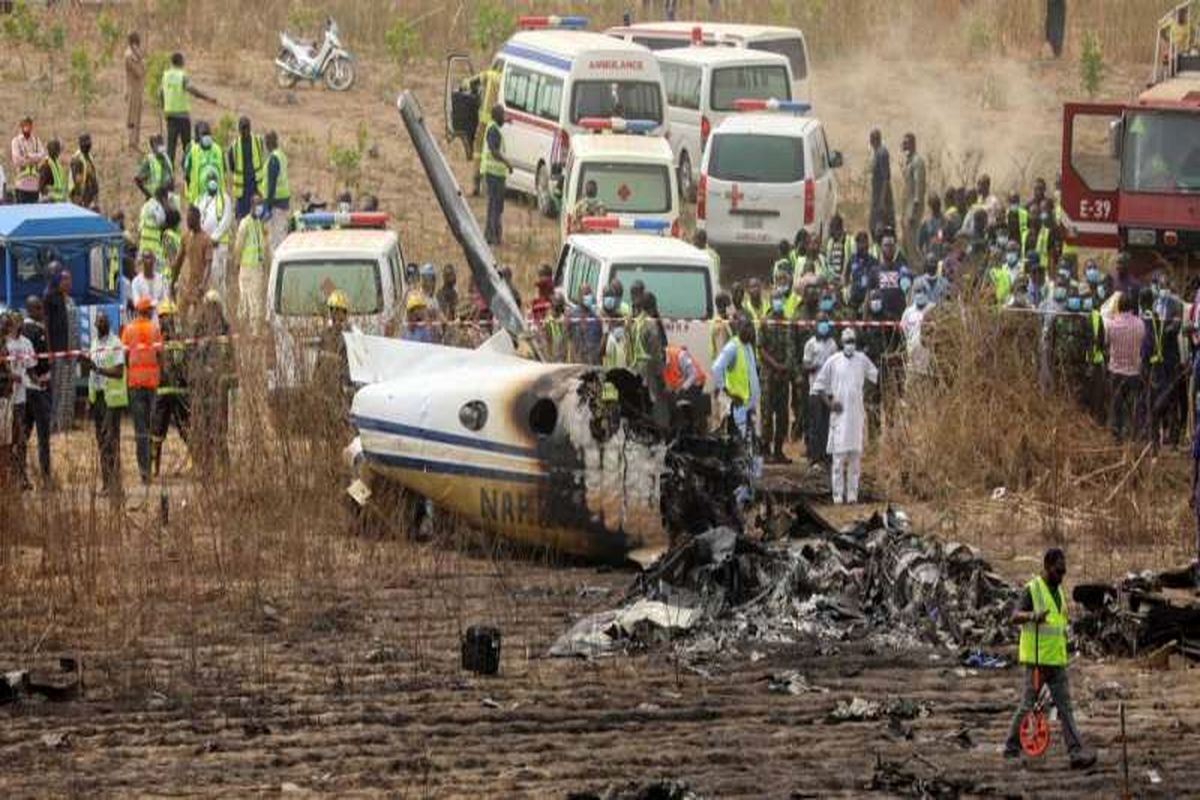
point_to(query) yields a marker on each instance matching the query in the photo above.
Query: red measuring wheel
(1034, 731)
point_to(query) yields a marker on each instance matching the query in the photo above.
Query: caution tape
(674, 324)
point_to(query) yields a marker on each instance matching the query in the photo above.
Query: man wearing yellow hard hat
(171, 403)
(332, 374)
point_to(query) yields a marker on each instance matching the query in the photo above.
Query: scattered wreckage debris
(917, 777)
(860, 710)
(658, 790)
(1137, 616)
(55, 686)
(878, 580)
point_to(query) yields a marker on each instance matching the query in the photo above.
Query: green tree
(1091, 64)
(82, 77)
(494, 23)
(110, 36)
(402, 41)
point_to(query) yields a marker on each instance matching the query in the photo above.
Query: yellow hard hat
(166, 308)
(337, 299)
(415, 300)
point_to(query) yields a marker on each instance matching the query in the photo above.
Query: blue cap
(427, 270)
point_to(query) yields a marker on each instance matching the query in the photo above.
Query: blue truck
(86, 243)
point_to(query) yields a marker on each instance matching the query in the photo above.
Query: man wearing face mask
(216, 218)
(840, 384)
(151, 220)
(917, 363)
(1094, 394)
(85, 186)
(755, 305)
(1070, 343)
(200, 158)
(775, 349)
(614, 346)
(817, 350)
(584, 329)
(892, 280)
(154, 170)
(1001, 275)
(934, 286)
(1051, 322)
(251, 255)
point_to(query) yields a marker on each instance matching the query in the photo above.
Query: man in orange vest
(143, 342)
(684, 379)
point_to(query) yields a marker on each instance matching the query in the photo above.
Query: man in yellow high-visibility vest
(251, 258)
(246, 161)
(494, 167)
(177, 105)
(1042, 615)
(53, 176)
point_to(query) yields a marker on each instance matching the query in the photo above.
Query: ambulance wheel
(545, 198)
(687, 185)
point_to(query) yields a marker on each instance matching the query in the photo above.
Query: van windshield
(682, 291)
(302, 286)
(629, 188)
(628, 99)
(748, 83)
(793, 48)
(757, 158)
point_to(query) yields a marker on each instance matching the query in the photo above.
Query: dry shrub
(982, 422)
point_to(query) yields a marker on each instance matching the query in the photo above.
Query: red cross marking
(624, 192)
(735, 196)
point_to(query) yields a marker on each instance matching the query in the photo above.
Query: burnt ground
(357, 690)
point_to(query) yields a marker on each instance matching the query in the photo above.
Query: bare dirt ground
(348, 683)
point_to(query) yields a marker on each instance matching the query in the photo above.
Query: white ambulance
(787, 42)
(766, 174)
(354, 253)
(635, 181)
(680, 276)
(552, 79)
(703, 84)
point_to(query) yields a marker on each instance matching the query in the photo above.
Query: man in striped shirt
(1123, 334)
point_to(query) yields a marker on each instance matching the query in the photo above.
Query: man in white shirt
(216, 219)
(916, 354)
(151, 284)
(840, 383)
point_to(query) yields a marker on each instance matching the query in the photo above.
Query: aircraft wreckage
(524, 449)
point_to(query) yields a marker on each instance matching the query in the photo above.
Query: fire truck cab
(1131, 171)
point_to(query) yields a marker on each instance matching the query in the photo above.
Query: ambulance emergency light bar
(552, 22)
(343, 219)
(773, 104)
(617, 124)
(614, 222)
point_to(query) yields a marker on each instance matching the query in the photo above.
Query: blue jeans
(141, 407)
(494, 228)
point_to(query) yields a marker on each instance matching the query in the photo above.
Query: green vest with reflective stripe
(172, 241)
(1047, 645)
(149, 231)
(108, 353)
(200, 160)
(616, 354)
(57, 190)
(174, 367)
(175, 96)
(1001, 282)
(1043, 247)
(487, 164)
(638, 355)
(1095, 351)
(1156, 327)
(256, 163)
(737, 376)
(252, 244)
(283, 189)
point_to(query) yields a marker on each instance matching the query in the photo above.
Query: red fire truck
(1131, 171)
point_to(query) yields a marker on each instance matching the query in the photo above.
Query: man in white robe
(840, 383)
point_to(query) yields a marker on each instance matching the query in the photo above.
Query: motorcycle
(299, 60)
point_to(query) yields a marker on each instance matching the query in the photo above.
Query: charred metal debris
(877, 581)
(1138, 615)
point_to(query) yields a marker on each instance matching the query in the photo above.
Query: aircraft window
(543, 417)
(473, 415)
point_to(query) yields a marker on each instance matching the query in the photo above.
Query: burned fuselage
(526, 450)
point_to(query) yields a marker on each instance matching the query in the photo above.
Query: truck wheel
(687, 185)
(545, 197)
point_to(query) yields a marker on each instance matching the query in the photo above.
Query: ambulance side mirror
(835, 159)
